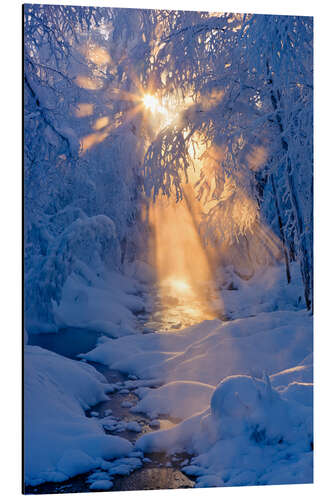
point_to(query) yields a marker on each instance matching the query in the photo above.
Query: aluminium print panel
(168, 172)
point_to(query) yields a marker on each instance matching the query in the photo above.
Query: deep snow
(208, 352)
(241, 388)
(250, 434)
(60, 440)
(244, 387)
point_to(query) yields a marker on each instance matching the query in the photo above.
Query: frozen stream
(171, 306)
(159, 471)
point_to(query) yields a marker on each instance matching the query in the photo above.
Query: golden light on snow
(101, 123)
(183, 262)
(257, 157)
(84, 109)
(98, 55)
(186, 283)
(91, 140)
(88, 83)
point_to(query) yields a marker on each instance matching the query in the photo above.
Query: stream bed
(159, 471)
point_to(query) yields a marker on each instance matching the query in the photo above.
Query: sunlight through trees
(124, 107)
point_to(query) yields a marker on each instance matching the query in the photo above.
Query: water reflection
(154, 478)
(186, 292)
(177, 305)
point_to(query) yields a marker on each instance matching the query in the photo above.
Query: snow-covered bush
(87, 243)
(250, 434)
(76, 171)
(244, 404)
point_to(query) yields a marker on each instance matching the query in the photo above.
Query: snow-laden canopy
(124, 108)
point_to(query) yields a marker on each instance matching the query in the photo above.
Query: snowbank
(212, 350)
(265, 291)
(255, 426)
(141, 271)
(60, 441)
(87, 243)
(250, 434)
(105, 303)
(78, 282)
(180, 399)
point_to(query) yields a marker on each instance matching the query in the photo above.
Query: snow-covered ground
(244, 387)
(241, 389)
(106, 303)
(206, 353)
(104, 300)
(251, 433)
(266, 291)
(60, 440)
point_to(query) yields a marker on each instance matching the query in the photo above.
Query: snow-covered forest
(168, 205)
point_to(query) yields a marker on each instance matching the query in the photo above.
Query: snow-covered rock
(101, 485)
(180, 399)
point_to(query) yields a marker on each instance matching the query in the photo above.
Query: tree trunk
(301, 236)
(283, 239)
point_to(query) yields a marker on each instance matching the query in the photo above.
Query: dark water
(162, 472)
(68, 342)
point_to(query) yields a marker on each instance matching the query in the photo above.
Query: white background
(10, 256)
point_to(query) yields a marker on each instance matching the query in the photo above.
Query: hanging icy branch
(166, 163)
